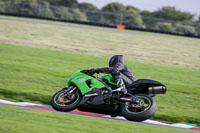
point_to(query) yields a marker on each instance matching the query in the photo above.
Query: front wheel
(66, 101)
(139, 112)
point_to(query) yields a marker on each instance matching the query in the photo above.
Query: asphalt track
(76, 112)
(48, 22)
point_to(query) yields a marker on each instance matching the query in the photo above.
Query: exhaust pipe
(157, 90)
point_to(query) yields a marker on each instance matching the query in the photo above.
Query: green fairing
(109, 78)
(79, 79)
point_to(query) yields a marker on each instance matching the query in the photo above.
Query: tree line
(167, 18)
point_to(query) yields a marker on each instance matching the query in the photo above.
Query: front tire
(68, 105)
(137, 113)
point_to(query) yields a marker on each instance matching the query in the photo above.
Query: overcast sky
(192, 6)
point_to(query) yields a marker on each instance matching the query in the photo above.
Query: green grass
(137, 46)
(20, 120)
(33, 74)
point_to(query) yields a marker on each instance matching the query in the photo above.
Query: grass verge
(139, 46)
(20, 120)
(34, 75)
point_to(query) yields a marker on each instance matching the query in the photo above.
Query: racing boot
(121, 86)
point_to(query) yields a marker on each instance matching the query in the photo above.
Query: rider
(121, 73)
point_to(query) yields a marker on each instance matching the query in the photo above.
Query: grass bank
(137, 46)
(33, 74)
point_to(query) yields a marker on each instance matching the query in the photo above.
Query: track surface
(147, 122)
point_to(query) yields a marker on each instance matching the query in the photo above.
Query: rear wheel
(66, 101)
(139, 112)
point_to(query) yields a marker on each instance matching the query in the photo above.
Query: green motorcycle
(88, 93)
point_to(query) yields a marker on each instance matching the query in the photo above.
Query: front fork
(69, 90)
(67, 94)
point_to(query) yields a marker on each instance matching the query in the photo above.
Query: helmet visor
(116, 59)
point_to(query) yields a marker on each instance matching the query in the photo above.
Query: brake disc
(66, 99)
(139, 105)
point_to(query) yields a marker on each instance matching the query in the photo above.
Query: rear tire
(140, 115)
(65, 106)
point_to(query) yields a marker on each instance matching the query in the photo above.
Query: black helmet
(116, 59)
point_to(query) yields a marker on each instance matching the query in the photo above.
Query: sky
(192, 6)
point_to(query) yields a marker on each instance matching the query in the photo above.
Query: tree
(198, 19)
(113, 13)
(132, 8)
(164, 26)
(114, 7)
(171, 13)
(161, 18)
(45, 10)
(69, 14)
(78, 15)
(148, 20)
(62, 13)
(24, 7)
(129, 14)
(185, 29)
(92, 12)
(146, 13)
(87, 6)
(132, 18)
(66, 3)
(197, 26)
(2, 6)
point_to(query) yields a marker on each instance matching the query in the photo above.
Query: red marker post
(120, 27)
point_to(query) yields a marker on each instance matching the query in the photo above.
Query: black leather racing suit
(121, 73)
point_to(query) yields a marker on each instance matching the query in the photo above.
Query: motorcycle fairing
(84, 82)
(94, 97)
(109, 78)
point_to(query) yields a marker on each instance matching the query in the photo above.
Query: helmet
(116, 59)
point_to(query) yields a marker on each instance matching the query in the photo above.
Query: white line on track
(147, 122)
